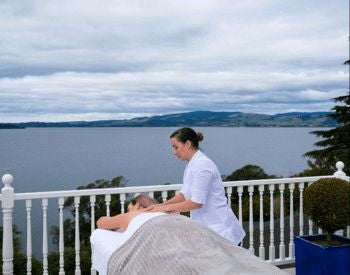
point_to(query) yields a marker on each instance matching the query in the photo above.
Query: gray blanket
(176, 245)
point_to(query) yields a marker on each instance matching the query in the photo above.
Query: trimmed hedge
(327, 203)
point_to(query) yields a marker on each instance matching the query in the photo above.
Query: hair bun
(200, 136)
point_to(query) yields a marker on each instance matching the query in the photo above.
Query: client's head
(140, 201)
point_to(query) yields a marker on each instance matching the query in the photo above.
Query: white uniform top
(202, 184)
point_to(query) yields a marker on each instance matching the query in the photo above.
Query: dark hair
(143, 200)
(185, 134)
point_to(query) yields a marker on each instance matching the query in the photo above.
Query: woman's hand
(150, 208)
(160, 208)
(184, 206)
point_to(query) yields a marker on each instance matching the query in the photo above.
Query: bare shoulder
(119, 222)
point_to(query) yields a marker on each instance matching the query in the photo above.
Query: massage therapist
(202, 192)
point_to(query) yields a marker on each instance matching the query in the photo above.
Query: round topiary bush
(327, 203)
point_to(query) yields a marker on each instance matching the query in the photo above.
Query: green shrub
(69, 261)
(327, 203)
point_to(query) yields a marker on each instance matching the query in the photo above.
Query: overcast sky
(67, 60)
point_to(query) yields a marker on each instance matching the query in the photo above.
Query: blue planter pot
(315, 259)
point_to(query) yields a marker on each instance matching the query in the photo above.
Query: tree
(249, 172)
(336, 141)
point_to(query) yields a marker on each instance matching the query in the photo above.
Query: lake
(49, 159)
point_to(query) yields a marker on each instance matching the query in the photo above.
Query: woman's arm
(159, 207)
(120, 221)
(183, 206)
(177, 198)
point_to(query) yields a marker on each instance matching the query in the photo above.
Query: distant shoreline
(198, 119)
(11, 126)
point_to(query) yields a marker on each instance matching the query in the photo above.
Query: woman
(115, 231)
(120, 222)
(202, 192)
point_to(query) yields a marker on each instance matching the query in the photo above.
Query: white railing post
(261, 222)
(122, 199)
(7, 203)
(229, 195)
(272, 225)
(310, 222)
(77, 236)
(240, 211)
(61, 236)
(108, 203)
(45, 204)
(301, 208)
(282, 245)
(251, 222)
(92, 226)
(29, 236)
(164, 196)
(291, 221)
(341, 175)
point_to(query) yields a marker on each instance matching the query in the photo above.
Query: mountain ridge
(203, 119)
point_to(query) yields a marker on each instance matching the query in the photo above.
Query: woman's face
(180, 149)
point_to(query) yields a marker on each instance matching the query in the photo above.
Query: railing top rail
(99, 191)
(154, 188)
(273, 181)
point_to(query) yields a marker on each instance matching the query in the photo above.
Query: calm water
(48, 159)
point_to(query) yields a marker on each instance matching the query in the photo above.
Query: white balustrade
(92, 205)
(164, 196)
(108, 203)
(8, 198)
(261, 222)
(340, 173)
(251, 224)
(229, 195)
(122, 202)
(45, 204)
(240, 211)
(310, 224)
(272, 225)
(301, 208)
(291, 221)
(77, 236)
(61, 236)
(7, 201)
(29, 236)
(282, 245)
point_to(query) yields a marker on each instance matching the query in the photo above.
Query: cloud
(90, 60)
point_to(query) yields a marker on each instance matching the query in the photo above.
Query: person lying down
(114, 231)
(139, 242)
